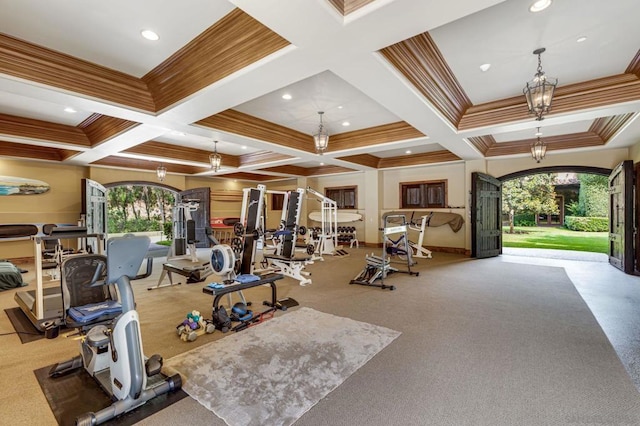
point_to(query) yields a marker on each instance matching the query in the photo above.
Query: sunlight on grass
(556, 238)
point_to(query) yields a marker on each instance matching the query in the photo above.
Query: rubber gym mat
(288, 302)
(77, 393)
(21, 324)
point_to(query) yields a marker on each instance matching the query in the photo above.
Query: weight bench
(291, 266)
(155, 250)
(194, 274)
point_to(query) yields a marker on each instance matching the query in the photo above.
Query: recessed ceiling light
(286, 96)
(539, 5)
(485, 67)
(408, 151)
(177, 133)
(581, 39)
(340, 107)
(149, 35)
(69, 110)
(322, 164)
(346, 123)
(244, 147)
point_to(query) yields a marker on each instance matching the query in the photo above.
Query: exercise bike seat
(98, 336)
(88, 313)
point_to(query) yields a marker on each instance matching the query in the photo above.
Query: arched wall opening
(140, 207)
(567, 190)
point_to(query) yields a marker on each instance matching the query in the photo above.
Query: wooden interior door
(202, 216)
(621, 217)
(486, 216)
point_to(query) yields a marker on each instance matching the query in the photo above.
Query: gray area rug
(273, 373)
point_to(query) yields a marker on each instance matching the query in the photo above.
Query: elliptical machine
(112, 354)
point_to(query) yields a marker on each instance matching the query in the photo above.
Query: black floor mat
(77, 393)
(21, 324)
(288, 302)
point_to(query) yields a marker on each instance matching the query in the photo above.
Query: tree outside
(585, 226)
(530, 194)
(139, 208)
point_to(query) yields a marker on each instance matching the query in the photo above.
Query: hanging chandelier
(538, 148)
(539, 91)
(214, 158)
(161, 172)
(321, 139)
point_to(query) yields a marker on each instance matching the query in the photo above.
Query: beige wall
(61, 204)
(378, 192)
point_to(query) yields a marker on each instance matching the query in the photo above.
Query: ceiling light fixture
(538, 148)
(346, 124)
(485, 67)
(539, 5)
(70, 110)
(321, 139)
(408, 151)
(161, 172)
(581, 39)
(286, 96)
(539, 91)
(214, 158)
(149, 35)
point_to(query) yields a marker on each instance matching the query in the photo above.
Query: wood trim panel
(232, 43)
(590, 94)
(246, 125)
(327, 170)
(226, 195)
(42, 130)
(482, 143)
(288, 170)
(134, 163)
(420, 61)
(262, 157)
(377, 135)
(19, 150)
(362, 159)
(100, 128)
(249, 176)
(418, 159)
(35, 63)
(606, 127)
(345, 7)
(165, 150)
(575, 140)
(634, 65)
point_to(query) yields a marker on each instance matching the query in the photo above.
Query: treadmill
(45, 304)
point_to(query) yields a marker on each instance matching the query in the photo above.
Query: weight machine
(378, 267)
(284, 258)
(182, 258)
(327, 241)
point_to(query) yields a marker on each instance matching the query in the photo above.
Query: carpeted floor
(483, 342)
(274, 372)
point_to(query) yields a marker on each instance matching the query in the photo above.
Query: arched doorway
(140, 207)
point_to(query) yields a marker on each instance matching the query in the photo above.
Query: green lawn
(555, 238)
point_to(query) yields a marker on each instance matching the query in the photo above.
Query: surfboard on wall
(342, 216)
(10, 185)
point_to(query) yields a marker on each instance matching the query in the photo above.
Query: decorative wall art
(10, 185)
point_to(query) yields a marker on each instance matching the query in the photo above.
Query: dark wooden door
(202, 216)
(486, 221)
(621, 217)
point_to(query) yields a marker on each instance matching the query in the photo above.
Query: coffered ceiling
(399, 82)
